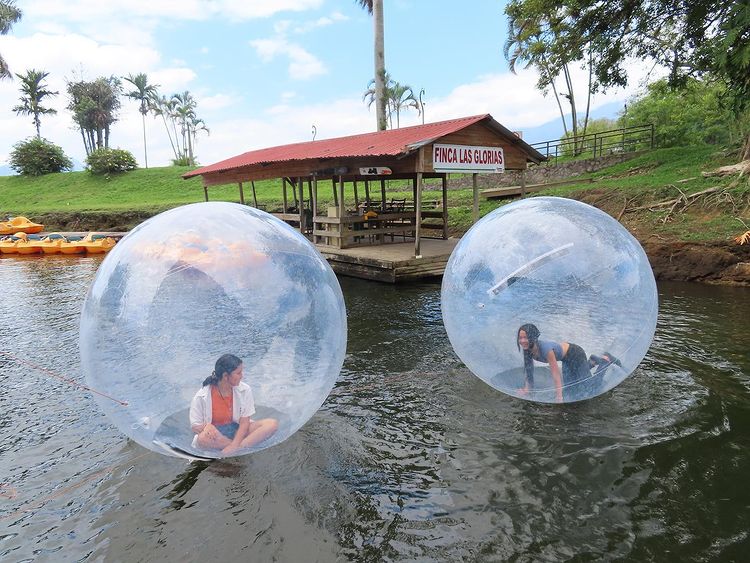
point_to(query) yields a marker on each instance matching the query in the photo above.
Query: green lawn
(650, 177)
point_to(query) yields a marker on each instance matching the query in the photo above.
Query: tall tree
(375, 8)
(143, 92)
(94, 106)
(33, 92)
(9, 15)
(687, 37)
(532, 35)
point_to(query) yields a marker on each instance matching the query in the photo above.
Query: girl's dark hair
(226, 364)
(532, 333)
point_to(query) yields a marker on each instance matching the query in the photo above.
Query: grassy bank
(624, 190)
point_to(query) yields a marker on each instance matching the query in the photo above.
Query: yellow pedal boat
(97, 244)
(19, 225)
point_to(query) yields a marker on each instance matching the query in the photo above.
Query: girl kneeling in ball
(220, 411)
(576, 380)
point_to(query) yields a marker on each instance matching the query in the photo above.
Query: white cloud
(118, 10)
(320, 22)
(216, 102)
(249, 9)
(302, 64)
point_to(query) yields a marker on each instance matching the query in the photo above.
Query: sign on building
(469, 159)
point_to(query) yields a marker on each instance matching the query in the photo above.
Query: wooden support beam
(523, 183)
(367, 192)
(314, 202)
(475, 190)
(301, 206)
(445, 206)
(418, 210)
(283, 183)
(242, 195)
(255, 197)
(205, 192)
(335, 192)
(341, 196)
(382, 195)
(356, 196)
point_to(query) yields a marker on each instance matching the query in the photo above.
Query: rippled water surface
(410, 458)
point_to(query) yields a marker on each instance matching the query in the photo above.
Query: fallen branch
(739, 168)
(676, 201)
(624, 209)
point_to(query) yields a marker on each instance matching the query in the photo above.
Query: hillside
(656, 195)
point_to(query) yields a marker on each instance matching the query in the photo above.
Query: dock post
(475, 190)
(301, 207)
(314, 200)
(418, 212)
(445, 206)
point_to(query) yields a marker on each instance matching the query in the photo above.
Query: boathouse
(359, 233)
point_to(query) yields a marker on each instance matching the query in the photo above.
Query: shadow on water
(410, 458)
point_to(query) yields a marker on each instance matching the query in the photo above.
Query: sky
(265, 72)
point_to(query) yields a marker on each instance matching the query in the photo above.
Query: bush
(691, 115)
(35, 157)
(183, 161)
(108, 161)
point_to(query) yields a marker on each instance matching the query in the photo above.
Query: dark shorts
(228, 430)
(578, 382)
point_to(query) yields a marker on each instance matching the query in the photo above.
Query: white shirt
(242, 404)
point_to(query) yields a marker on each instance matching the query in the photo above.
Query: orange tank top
(221, 407)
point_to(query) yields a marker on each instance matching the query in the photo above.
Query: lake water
(410, 458)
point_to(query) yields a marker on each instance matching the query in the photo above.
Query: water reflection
(411, 457)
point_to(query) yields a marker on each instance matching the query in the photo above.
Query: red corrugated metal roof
(382, 143)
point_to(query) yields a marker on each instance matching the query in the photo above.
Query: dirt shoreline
(718, 262)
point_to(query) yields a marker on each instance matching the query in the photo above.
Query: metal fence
(625, 139)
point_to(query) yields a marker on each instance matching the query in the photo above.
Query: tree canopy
(9, 15)
(94, 106)
(690, 38)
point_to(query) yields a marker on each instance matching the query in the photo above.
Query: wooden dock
(392, 263)
(513, 191)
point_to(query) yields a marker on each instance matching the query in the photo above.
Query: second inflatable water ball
(549, 299)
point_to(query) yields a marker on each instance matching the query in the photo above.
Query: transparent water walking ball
(570, 270)
(197, 282)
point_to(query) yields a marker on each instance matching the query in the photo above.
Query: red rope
(61, 378)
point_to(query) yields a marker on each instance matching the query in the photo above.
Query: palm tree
(371, 94)
(397, 96)
(9, 15)
(375, 8)
(184, 114)
(144, 93)
(34, 91)
(401, 96)
(163, 107)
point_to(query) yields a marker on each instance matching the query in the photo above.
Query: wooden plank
(242, 195)
(512, 191)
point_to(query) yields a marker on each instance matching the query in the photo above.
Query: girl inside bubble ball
(220, 411)
(576, 381)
